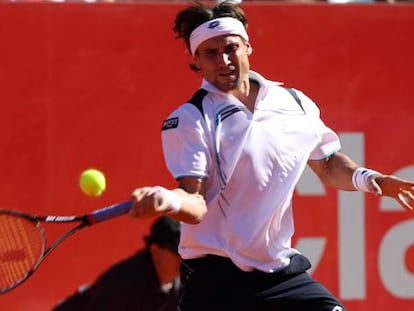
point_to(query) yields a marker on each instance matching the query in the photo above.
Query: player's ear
(249, 48)
(196, 61)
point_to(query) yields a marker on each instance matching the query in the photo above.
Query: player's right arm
(187, 152)
(185, 203)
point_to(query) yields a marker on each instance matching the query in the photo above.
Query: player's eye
(231, 49)
(210, 52)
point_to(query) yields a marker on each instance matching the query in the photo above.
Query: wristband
(360, 178)
(172, 199)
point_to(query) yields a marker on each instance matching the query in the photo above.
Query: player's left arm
(341, 172)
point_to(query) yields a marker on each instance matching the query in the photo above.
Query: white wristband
(360, 178)
(173, 200)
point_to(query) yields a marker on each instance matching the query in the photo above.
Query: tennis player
(237, 149)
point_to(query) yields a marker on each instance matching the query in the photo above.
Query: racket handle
(109, 212)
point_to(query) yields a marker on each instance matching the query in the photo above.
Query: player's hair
(198, 13)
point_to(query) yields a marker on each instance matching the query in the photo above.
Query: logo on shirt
(171, 123)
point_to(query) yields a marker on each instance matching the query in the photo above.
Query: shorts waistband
(298, 264)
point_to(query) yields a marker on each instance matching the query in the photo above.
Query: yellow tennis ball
(92, 182)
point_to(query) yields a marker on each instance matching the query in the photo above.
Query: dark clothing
(130, 285)
(217, 284)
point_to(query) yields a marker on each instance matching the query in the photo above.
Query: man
(237, 149)
(146, 281)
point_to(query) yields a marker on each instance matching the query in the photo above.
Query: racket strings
(21, 245)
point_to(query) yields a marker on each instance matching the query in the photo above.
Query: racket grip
(109, 212)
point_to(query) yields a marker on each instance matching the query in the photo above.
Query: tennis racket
(23, 240)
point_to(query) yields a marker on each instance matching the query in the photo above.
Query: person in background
(237, 149)
(147, 281)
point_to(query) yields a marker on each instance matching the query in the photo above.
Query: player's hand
(399, 189)
(146, 202)
(150, 201)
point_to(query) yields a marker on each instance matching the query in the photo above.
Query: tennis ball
(92, 182)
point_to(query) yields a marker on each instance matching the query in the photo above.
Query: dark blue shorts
(214, 283)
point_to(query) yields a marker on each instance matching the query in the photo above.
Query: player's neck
(247, 93)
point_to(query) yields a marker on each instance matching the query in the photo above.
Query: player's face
(224, 61)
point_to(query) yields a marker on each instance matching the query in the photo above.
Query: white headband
(217, 27)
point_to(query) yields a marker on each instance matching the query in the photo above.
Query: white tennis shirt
(251, 162)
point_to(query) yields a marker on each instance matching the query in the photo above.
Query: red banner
(88, 85)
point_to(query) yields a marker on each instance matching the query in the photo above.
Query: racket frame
(95, 217)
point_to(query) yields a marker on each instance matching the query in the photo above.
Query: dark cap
(165, 232)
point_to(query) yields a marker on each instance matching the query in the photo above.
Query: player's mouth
(230, 75)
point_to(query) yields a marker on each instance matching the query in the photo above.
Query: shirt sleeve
(185, 143)
(329, 142)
